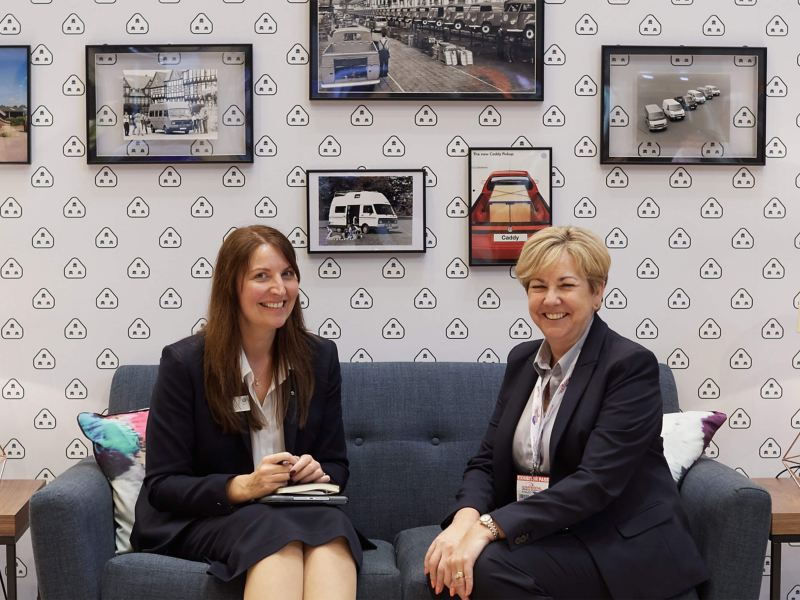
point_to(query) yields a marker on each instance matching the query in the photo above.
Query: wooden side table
(15, 495)
(785, 524)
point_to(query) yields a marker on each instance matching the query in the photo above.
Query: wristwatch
(487, 521)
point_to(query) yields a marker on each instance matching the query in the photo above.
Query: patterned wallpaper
(101, 266)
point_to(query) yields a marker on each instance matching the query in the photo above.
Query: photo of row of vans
(675, 108)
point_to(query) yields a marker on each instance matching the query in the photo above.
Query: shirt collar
(248, 377)
(541, 362)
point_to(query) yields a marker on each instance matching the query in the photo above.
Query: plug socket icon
(710, 269)
(75, 330)
(107, 359)
(488, 299)
(775, 148)
(708, 389)
(520, 330)
(297, 117)
(713, 26)
(329, 269)
(678, 359)
(46, 474)
(361, 117)
(615, 299)
(394, 147)
(616, 238)
(41, 55)
(619, 60)
(233, 116)
(584, 209)
(201, 24)
(710, 330)
(679, 239)
(740, 359)
(430, 238)
(774, 209)
(201, 208)
(617, 178)
(648, 209)
(233, 177)
(711, 209)
(106, 238)
(73, 147)
(457, 269)
(138, 329)
(43, 239)
(488, 356)
(169, 238)
(170, 299)
(773, 269)
(44, 419)
(105, 178)
(522, 142)
(44, 359)
(361, 299)
(586, 25)
(202, 269)
(457, 147)
(553, 117)
(12, 330)
(585, 147)
(776, 87)
(426, 117)
(106, 117)
(43, 299)
(649, 149)
(679, 300)
(739, 419)
(430, 177)
(265, 24)
(457, 208)
(10, 209)
(76, 390)
(425, 355)
(556, 178)
(772, 330)
(681, 60)
(741, 299)
(14, 449)
(647, 330)
(771, 390)
(457, 330)
(712, 149)
(77, 450)
(11, 269)
(296, 178)
(42, 178)
(393, 330)
(303, 299)
(137, 25)
(393, 269)
(138, 269)
(361, 356)
(742, 240)
(41, 117)
(647, 269)
(73, 25)
(297, 55)
(680, 178)
(586, 86)
(650, 26)
(266, 146)
(554, 56)
(744, 117)
(770, 449)
(138, 208)
(490, 117)
(777, 26)
(425, 299)
(13, 390)
(106, 299)
(266, 208)
(265, 86)
(329, 329)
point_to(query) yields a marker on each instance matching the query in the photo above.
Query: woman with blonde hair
(250, 404)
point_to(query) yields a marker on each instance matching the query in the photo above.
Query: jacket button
(435, 441)
(521, 539)
(358, 441)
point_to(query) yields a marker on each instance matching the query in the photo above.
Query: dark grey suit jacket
(609, 482)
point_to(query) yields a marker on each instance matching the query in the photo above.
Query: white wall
(40, 22)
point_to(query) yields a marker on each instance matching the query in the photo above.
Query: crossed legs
(300, 572)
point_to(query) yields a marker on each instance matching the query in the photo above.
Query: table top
(14, 497)
(785, 495)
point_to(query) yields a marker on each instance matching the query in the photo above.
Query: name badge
(241, 404)
(528, 485)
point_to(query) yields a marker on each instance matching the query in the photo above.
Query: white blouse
(269, 439)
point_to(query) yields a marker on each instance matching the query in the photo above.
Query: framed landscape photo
(366, 50)
(15, 98)
(510, 200)
(173, 103)
(683, 105)
(366, 211)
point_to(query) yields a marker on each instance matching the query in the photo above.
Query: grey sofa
(410, 430)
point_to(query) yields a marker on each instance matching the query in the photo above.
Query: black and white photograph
(366, 211)
(169, 103)
(489, 50)
(161, 102)
(15, 92)
(683, 105)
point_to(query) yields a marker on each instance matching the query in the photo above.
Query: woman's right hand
(443, 546)
(270, 474)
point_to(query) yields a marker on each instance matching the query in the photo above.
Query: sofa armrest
(730, 518)
(72, 531)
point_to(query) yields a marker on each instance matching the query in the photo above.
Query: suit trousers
(557, 566)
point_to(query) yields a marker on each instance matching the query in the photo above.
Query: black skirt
(233, 543)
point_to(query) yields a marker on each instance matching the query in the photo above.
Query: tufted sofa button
(521, 539)
(358, 441)
(435, 441)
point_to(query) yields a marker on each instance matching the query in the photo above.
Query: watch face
(485, 519)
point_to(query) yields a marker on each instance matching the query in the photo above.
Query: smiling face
(561, 303)
(268, 290)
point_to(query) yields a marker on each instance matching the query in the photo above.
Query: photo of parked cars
(486, 50)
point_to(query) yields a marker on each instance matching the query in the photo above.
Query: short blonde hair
(545, 247)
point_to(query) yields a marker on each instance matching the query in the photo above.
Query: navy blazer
(609, 482)
(189, 459)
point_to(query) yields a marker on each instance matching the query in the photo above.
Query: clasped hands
(272, 472)
(451, 557)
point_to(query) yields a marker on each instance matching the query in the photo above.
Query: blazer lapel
(290, 422)
(578, 381)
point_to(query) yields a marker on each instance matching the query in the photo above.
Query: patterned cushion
(686, 435)
(119, 448)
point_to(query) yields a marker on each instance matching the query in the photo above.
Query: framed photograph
(15, 99)
(486, 51)
(159, 104)
(510, 200)
(683, 105)
(366, 211)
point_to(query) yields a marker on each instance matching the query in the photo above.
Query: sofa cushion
(142, 576)
(119, 448)
(410, 547)
(686, 435)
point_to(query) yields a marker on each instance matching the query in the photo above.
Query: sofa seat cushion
(410, 547)
(143, 576)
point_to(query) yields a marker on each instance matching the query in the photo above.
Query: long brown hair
(223, 339)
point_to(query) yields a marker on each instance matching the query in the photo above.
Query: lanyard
(539, 418)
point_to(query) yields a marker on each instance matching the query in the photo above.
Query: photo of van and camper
(14, 87)
(163, 103)
(359, 210)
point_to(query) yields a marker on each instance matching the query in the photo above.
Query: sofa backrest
(410, 429)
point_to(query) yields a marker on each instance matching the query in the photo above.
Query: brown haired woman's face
(268, 290)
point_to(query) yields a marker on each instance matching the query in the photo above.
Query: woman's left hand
(308, 470)
(462, 560)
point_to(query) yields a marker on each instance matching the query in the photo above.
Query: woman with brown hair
(250, 404)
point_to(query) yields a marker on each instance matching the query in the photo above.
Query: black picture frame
(365, 210)
(169, 103)
(15, 117)
(510, 199)
(499, 53)
(720, 91)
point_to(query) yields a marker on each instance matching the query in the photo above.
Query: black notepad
(313, 499)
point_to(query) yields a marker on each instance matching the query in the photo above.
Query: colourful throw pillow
(686, 435)
(119, 449)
